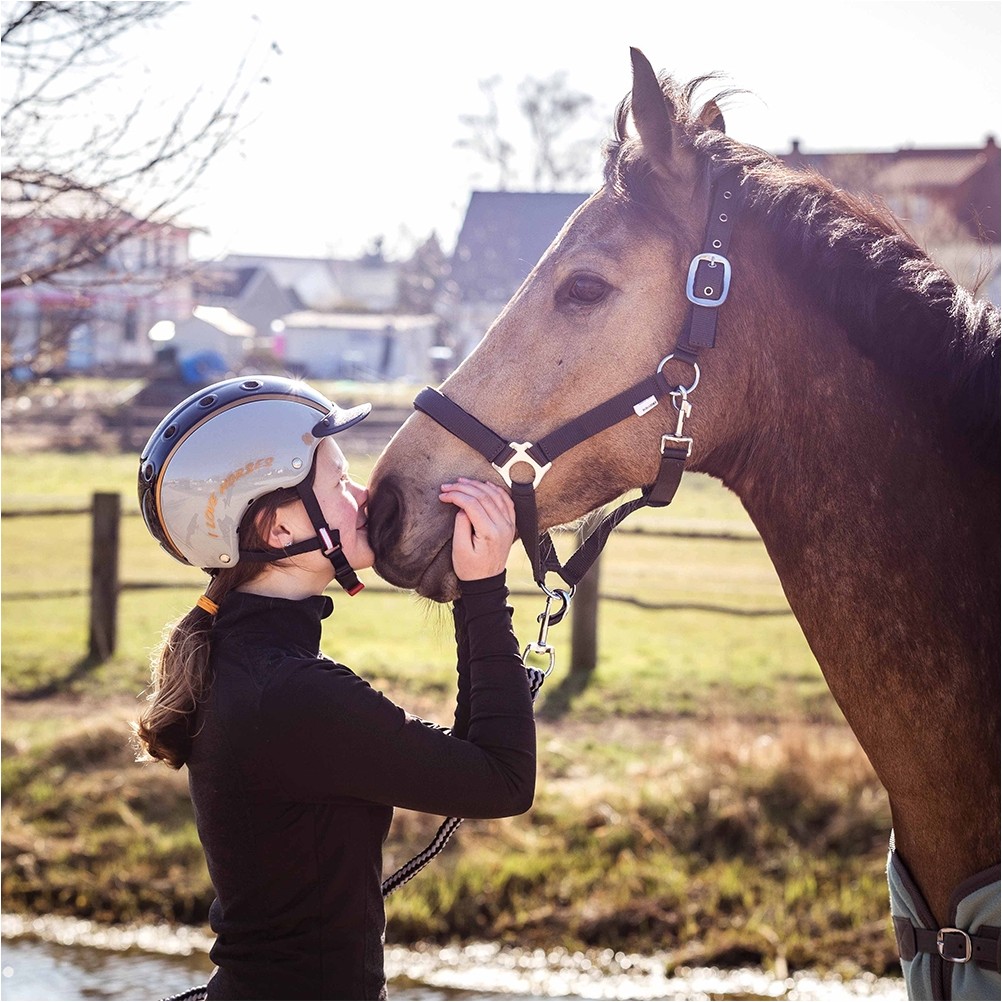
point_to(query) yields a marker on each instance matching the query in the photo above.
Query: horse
(818, 363)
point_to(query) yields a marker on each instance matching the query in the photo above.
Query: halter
(707, 285)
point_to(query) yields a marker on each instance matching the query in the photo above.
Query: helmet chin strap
(326, 539)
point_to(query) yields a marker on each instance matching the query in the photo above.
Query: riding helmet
(220, 450)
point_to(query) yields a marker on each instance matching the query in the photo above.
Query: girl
(294, 762)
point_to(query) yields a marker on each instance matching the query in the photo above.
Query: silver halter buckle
(714, 261)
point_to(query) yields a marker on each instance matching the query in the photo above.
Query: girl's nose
(360, 493)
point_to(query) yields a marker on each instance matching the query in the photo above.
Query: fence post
(584, 624)
(105, 512)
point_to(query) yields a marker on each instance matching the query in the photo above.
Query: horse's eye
(586, 290)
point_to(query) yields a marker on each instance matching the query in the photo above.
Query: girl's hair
(181, 674)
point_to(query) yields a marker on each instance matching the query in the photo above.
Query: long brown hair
(181, 672)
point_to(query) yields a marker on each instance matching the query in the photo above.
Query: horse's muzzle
(412, 547)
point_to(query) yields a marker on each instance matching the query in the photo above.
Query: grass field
(701, 794)
(683, 659)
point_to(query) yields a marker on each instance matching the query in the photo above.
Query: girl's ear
(282, 530)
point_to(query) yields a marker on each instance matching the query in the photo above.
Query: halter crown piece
(707, 286)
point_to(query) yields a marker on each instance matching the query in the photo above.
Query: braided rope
(201, 992)
(448, 827)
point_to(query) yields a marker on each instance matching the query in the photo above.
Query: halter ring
(684, 390)
(521, 450)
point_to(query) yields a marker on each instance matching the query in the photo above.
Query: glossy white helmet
(224, 447)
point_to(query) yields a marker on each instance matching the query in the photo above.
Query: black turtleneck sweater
(294, 772)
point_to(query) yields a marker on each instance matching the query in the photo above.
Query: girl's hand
(484, 530)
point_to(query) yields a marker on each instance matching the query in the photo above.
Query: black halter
(706, 288)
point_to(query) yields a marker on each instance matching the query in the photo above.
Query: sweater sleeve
(335, 736)
(461, 722)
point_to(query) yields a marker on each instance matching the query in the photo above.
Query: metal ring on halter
(565, 595)
(695, 368)
(520, 452)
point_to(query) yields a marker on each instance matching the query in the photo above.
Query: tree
(422, 277)
(485, 139)
(562, 140)
(62, 161)
(553, 112)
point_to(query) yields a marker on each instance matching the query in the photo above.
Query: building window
(130, 327)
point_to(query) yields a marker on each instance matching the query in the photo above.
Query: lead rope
(449, 826)
(536, 676)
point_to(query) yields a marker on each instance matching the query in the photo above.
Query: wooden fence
(105, 586)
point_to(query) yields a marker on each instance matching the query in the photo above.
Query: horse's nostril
(385, 518)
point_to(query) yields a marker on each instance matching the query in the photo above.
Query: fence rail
(104, 588)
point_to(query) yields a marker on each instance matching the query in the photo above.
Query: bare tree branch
(552, 111)
(485, 138)
(562, 143)
(61, 159)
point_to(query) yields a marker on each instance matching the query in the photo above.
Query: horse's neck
(886, 551)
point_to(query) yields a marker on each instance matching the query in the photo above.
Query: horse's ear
(650, 110)
(711, 117)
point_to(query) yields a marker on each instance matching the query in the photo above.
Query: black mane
(900, 309)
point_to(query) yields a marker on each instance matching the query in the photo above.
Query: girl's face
(344, 503)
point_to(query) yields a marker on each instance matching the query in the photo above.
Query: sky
(354, 134)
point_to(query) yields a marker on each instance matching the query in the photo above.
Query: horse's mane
(899, 308)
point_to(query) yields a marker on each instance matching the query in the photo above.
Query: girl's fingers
(494, 498)
(485, 508)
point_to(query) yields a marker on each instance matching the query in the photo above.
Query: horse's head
(603, 306)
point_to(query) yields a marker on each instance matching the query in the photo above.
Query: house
(261, 283)
(946, 198)
(370, 347)
(504, 233)
(212, 331)
(249, 292)
(93, 312)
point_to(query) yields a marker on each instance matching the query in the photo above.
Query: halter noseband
(706, 289)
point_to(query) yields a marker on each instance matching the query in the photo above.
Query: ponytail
(180, 666)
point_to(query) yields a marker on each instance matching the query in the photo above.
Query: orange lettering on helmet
(229, 480)
(210, 513)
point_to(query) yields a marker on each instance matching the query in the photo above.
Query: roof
(963, 181)
(933, 170)
(41, 196)
(375, 322)
(223, 321)
(227, 283)
(504, 234)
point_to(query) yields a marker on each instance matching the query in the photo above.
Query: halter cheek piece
(707, 286)
(326, 539)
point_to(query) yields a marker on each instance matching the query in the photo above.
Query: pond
(64, 959)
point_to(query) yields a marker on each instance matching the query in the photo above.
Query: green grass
(701, 794)
(686, 659)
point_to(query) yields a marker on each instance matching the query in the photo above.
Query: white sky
(354, 136)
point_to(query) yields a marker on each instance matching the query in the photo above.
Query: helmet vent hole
(171, 431)
(149, 471)
(251, 384)
(207, 401)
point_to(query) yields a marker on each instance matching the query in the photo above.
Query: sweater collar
(298, 622)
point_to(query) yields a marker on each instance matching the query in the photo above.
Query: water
(65, 959)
